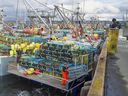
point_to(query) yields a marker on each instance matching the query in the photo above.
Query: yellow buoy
(96, 36)
(35, 30)
(12, 47)
(35, 50)
(32, 45)
(14, 52)
(29, 72)
(54, 38)
(24, 49)
(11, 53)
(16, 46)
(65, 38)
(37, 45)
(31, 69)
(22, 45)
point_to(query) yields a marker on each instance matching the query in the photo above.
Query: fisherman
(115, 24)
(43, 33)
(64, 75)
(19, 53)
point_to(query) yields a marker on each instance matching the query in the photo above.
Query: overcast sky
(105, 9)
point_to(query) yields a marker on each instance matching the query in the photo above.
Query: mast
(78, 11)
(1, 19)
(35, 11)
(17, 13)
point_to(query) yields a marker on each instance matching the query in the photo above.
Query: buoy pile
(24, 48)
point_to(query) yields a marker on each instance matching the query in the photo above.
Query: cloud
(93, 6)
(102, 8)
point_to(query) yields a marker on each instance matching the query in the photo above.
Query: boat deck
(48, 80)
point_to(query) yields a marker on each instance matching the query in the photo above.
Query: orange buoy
(26, 30)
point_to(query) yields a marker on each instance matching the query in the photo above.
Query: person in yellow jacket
(18, 54)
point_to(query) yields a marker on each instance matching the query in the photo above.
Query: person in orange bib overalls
(64, 75)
